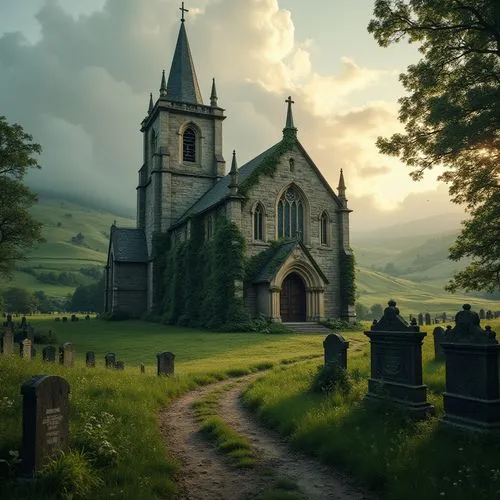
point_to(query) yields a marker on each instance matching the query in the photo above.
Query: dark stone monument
(165, 363)
(420, 319)
(90, 359)
(120, 365)
(7, 342)
(482, 314)
(45, 420)
(49, 354)
(110, 360)
(438, 334)
(335, 347)
(427, 319)
(489, 314)
(142, 368)
(396, 363)
(472, 394)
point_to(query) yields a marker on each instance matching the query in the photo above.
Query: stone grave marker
(49, 354)
(489, 314)
(120, 365)
(482, 314)
(472, 394)
(67, 354)
(420, 319)
(90, 359)
(45, 420)
(396, 364)
(26, 346)
(438, 335)
(7, 342)
(335, 347)
(165, 363)
(427, 319)
(110, 360)
(142, 368)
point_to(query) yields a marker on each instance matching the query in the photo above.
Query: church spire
(150, 108)
(233, 183)
(341, 188)
(290, 129)
(182, 83)
(213, 95)
(163, 86)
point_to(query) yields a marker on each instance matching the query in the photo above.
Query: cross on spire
(182, 9)
(289, 100)
(289, 125)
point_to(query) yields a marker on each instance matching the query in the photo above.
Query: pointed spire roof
(213, 95)
(341, 187)
(289, 125)
(233, 183)
(182, 83)
(163, 86)
(150, 108)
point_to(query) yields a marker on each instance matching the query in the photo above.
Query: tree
(19, 300)
(376, 311)
(19, 231)
(451, 115)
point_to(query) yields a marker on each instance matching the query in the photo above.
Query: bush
(341, 325)
(331, 377)
(45, 338)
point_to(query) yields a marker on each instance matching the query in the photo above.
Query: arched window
(258, 223)
(291, 215)
(189, 145)
(323, 229)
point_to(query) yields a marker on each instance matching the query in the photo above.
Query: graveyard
(115, 442)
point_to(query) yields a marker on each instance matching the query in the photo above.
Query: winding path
(206, 475)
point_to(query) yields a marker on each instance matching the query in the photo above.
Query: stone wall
(129, 290)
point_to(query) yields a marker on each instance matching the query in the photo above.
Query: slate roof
(129, 244)
(220, 190)
(182, 83)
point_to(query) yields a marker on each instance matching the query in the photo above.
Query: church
(279, 201)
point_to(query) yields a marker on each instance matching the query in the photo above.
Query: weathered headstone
(420, 319)
(7, 342)
(49, 354)
(26, 349)
(120, 365)
(489, 314)
(165, 363)
(142, 368)
(90, 359)
(472, 394)
(482, 314)
(110, 360)
(427, 319)
(335, 347)
(438, 335)
(67, 354)
(396, 363)
(45, 420)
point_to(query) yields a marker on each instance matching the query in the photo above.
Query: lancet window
(189, 145)
(291, 215)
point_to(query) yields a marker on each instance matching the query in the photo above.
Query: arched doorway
(293, 299)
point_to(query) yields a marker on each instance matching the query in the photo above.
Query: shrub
(45, 338)
(330, 378)
(341, 325)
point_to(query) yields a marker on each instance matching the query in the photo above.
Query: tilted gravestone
(335, 347)
(90, 359)
(472, 394)
(7, 342)
(25, 349)
(45, 420)
(67, 354)
(110, 360)
(396, 363)
(165, 363)
(120, 365)
(438, 335)
(49, 354)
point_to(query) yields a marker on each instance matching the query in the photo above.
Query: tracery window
(323, 228)
(189, 145)
(258, 223)
(291, 215)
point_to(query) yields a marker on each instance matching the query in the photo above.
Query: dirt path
(206, 475)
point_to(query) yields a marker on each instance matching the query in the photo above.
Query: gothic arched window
(258, 223)
(189, 145)
(323, 229)
(291, 215)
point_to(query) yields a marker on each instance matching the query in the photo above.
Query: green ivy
(269, 164)
(347, 277)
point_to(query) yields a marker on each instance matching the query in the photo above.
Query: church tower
(182, 145)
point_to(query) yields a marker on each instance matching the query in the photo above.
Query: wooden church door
(293, 299)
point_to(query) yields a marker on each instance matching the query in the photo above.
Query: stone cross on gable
(182, 9)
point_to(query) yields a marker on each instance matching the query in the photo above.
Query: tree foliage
(19, 231)
(451, 114)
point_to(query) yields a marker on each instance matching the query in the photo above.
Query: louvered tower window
(189, 145)
(291, 215)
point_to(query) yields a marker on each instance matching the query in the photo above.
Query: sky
(77, 76)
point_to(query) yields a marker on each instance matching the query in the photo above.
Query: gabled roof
(182, 83)
(129, 244)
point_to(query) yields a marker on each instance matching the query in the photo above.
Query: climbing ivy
(347, 277)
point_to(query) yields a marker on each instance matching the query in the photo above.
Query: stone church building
(184, 175)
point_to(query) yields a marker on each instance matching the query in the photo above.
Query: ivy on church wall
(347, 277)
(269, 164)
(200, 278)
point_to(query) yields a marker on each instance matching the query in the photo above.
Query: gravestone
(489, 314)
(110, 360)
(49, 354)
(165, 363)
(90, 359)
(335, 347)
(7, 342)
(67, 354)
(482, 314)
(438, 334)
(120, 365)
(142, 368)
(26, 346)
(396, 363)
(427, 319)
(45, 420)
(420, 319)
(472, 394)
